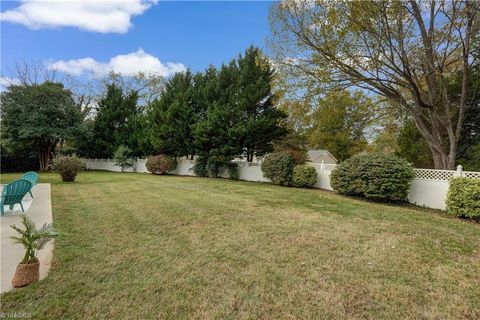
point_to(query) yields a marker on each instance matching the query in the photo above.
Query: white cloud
(92, 15)
(126, 64)
(6, 81)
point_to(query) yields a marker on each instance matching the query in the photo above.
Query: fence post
(459, 171)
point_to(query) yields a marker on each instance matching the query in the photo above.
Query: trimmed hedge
(304, 176)
(278, 167)
(373, 176)
(160, 164)
(463, 198)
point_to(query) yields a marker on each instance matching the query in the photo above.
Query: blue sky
(188, 34)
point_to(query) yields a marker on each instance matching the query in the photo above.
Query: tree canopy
(114, 121)
(40, 116)
(404, 51)
(339, 123)
(172, 117)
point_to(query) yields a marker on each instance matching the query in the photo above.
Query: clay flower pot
(26, 273)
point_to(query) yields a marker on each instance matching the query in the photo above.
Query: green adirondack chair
(31, 176)
(13, 193)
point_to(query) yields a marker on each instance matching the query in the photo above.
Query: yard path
(40, 211)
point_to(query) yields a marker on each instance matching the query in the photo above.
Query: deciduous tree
(339, 123)
(39, 116)
(405, 51)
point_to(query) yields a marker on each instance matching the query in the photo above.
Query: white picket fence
(429, 187)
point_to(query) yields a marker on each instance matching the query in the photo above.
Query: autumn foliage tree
(339, 123)
(404, 51)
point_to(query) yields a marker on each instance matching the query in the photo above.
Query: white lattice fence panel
(471, 174)
(430, 174)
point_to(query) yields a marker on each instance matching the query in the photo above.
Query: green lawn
(145, 247)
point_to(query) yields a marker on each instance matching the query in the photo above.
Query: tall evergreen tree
(114, 122)
(173, 117)
(241, 118)
(214, 136)
(260, 123)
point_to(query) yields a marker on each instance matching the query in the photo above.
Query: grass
(146, 247)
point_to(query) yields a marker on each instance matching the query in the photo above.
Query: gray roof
(317, 156)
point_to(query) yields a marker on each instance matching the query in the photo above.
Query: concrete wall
(429, 188)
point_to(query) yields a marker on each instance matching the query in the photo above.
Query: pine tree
(173, 116)
(114, 122)
(261, 123)
(241, 119)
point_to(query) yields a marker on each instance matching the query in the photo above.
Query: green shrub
(233, 172)
(122, 158)
(200, 167)
(68, 167)
(373, 176)
(304, 176)
(278, 167)
(463, 199)
(160, 164)
(214, 165)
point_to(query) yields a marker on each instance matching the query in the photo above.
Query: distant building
(319, 156)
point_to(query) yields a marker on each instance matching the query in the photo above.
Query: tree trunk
(442, 159)
(439, 158)
(45, 157)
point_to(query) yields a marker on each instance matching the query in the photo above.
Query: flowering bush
(160, 164)
(68, 167)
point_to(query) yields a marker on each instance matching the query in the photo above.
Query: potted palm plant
(28, 270)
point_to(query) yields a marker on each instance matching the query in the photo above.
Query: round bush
(373, 176)
(463, 198)
(68, 167)
(160, 164)
(304, 176)
(278, 167)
